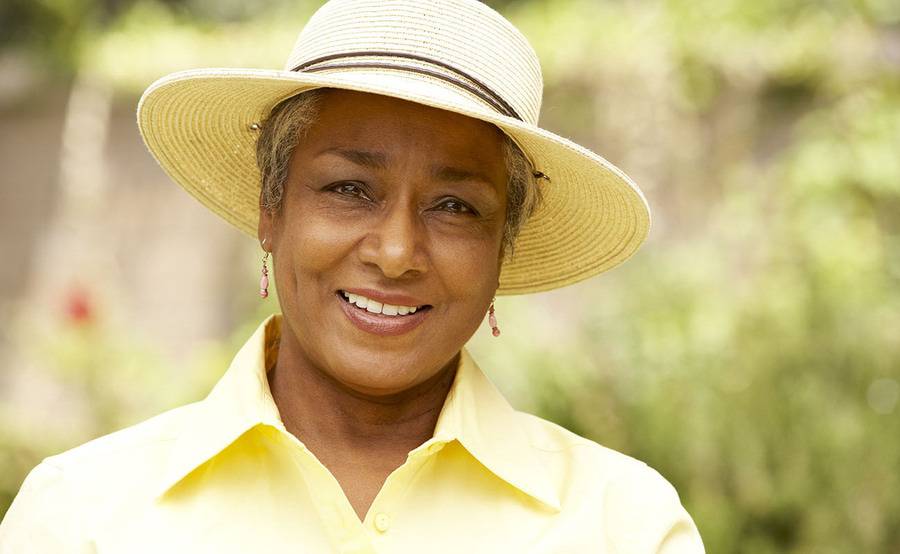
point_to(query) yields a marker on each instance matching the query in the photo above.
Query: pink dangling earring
(492, 320)
(264, 279)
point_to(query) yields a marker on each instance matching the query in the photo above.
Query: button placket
(394, 488)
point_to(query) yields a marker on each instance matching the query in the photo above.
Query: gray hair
(289, 121)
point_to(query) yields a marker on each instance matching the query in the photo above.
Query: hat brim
(197, 124)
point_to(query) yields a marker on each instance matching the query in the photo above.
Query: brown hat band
(456, 77)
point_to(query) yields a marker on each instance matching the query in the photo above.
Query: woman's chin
(376, 381)
(380, 373)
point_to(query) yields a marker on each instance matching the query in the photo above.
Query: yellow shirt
(223, 475)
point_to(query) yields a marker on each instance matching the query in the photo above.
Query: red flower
(78, 305)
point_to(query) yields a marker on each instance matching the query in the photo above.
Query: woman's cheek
(319, 240)
(468, 265)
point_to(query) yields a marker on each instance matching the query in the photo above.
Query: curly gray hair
(286, 126)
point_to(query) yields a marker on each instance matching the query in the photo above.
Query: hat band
(458, 78)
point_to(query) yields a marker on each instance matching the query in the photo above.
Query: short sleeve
(645, 516)
(40, 519)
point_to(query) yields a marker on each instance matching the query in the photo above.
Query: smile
(375, 307)
(380, 318)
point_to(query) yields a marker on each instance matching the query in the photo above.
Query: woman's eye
(348, 188)
(456, 206)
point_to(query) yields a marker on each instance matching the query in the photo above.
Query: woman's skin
(399, 198)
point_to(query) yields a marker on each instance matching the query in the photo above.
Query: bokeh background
(750, 351)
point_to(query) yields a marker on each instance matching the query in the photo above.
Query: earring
(264, 279)
(492, 320)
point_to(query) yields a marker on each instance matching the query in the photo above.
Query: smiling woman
(367, 209)
(396, 174)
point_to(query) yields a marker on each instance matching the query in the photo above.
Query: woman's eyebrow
(456, 175)
(376, 160)
(379, 160)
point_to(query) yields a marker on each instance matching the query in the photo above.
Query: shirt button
(382, 522)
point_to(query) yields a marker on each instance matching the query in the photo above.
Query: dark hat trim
(468, 83)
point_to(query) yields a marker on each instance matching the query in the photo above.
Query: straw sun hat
(459, 55)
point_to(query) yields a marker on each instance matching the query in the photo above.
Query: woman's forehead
(376, 123)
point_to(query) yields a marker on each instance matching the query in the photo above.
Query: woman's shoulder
(145, 441)
(637, 501)
(123, 460)
(570, 448)
(63, 493)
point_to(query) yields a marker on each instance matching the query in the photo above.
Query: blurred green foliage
(750, 352)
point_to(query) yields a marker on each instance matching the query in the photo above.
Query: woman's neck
(327, 415)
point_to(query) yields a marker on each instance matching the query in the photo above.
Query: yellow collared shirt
(223, 475)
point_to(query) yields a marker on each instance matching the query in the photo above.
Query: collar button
(382, 522)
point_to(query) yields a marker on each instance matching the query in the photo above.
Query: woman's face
(400, 203)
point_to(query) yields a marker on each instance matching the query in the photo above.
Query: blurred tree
(56, 32)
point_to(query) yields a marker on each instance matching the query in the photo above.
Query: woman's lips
(380, 324)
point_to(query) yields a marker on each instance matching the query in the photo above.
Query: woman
(396, 175)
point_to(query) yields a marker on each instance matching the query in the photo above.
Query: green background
(750, 351)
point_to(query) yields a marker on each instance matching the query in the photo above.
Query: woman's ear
(266, 227)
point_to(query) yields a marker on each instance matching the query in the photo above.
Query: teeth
(376, 307)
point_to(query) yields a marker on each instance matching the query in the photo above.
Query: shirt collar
(475, 413)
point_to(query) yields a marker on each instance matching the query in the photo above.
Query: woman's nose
(395, 243)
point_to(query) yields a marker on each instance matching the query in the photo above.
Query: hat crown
(461, 41)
